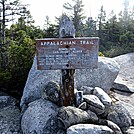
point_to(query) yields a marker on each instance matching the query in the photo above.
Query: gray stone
(103, 77)
(111, 125)
(54, 126)
(36, 116)
(125, 78)
(86, 90)
(36, 82)
(130, 109)
(10, 120)
(66, 27)
(52, 92)
(103, 96)
(71, 115)
(7, 101)
(130, 130)
(127, 100)
(94, 104)
(89, 129)
(120, 116)
(124, 96)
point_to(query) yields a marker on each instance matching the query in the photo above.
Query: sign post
(67, 54)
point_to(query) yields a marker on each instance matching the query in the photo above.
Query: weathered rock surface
(130, 130)
(127, 100)
(10, 120)
(86, 90)
(7, 101)
(67, 28)
(111, 125)
(52, 92)
(36, 116)
(54, 126)
(89, 129)
(94, 104)
(71, 115)
(130, 109)
(120, 116)
(103, 96)
(9, 116)
(125, 78)
(103, 77)
(36, 82)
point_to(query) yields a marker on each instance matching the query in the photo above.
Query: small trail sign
(67, 53)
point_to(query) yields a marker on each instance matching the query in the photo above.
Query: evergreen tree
(101, 23)
(77, 15)
(90, 28)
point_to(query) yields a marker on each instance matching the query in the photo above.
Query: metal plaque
(67, 53)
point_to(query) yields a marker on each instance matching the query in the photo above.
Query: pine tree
(77, 15)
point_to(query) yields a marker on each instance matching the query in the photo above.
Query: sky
(41, 8)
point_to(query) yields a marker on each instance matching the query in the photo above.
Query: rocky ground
(98, 112)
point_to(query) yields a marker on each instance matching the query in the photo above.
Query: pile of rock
(95, 114)
(96, 110)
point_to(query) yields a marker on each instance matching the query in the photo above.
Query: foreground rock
(89, 129)
(125, 78)
(10, 120)
(71, 115)
(130, 130)
(105, 99)
(120, 116)
(94, 104)
(103, 77)
(51, 92)
(127, 99)
(36, 116)
(111, 125)
(7, 101)
(9, 116)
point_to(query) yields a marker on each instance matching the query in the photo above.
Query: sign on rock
(67, 53)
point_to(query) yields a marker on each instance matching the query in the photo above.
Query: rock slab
(125, 78)
(89, 129)
(103, 77)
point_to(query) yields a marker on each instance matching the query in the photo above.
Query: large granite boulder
(36, 82)
(9, 116)
(103, 77)
(89, 129)
(36, 116)
(125, 78)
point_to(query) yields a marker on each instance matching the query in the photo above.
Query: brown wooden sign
(67, 53)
